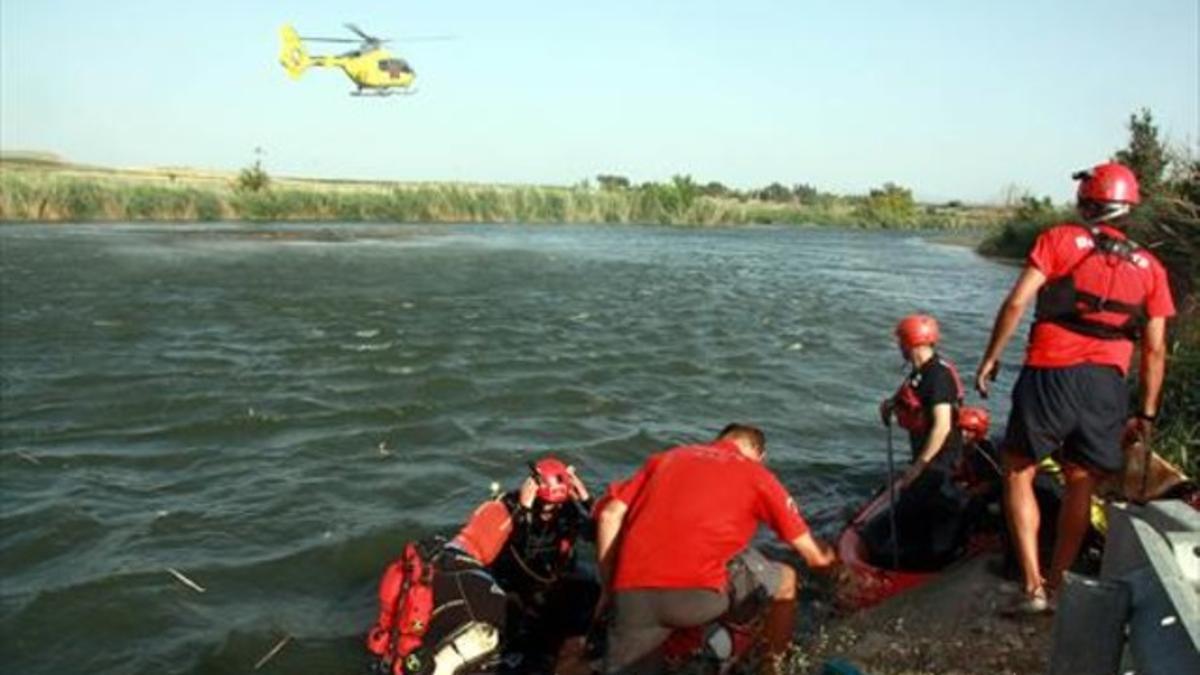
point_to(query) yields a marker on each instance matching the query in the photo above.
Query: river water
(273, 410)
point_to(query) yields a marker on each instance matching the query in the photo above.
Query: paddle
(892, 497)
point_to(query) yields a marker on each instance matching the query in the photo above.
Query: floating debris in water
(795, 347)
(582, 316)
(369, 347)
(383, 450)
(28, 457)
(274, 650)
(406, 305)
(369, 333)
(185, 581)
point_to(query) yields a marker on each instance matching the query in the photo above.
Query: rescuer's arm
(886, 407)
(486, 532)
(1007, 320)
(1153, 367)
(608, 528)
(942, 422)
(817, 554)
(609, 523)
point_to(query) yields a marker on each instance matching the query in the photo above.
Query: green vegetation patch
(64, 192)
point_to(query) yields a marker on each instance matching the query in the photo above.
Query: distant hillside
(30, 156)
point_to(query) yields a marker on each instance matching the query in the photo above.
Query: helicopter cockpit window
(394, 66)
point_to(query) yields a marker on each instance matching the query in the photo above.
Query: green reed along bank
(45, 193)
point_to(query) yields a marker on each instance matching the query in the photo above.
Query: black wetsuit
(935, 385)
(550, 596)
(931, 511)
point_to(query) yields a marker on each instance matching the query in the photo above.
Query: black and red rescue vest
(406, 605)
(910, 412)
(539, 551)
(1062, 303)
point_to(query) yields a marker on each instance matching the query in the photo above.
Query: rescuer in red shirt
(673, 546)
(1097, 293)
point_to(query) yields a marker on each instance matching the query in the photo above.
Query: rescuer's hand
(1138, 429)
(985, 375)
(578, 489)
(527, 493)
(911, 474)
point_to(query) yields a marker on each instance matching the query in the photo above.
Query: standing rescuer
(1097, 294)
(927, 402)
(929, 517)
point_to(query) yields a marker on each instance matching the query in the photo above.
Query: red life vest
(405, 608)
(906, 405)
(1061, 301)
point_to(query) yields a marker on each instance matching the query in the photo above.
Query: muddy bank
(956, 625)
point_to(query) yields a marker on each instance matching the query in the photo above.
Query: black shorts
(1080, 410)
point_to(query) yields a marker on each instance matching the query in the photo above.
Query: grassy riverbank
(46, 190)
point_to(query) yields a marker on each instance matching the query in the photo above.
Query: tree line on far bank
(890, 205)
(47, 192)
(1169, 181)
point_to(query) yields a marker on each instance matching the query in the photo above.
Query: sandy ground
(958, 624)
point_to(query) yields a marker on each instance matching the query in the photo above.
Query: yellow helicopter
(374, 71)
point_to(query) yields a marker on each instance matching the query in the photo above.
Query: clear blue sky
(956, 99)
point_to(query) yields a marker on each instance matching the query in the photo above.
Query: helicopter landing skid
(382, 93)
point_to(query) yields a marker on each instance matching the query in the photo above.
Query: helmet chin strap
(1094, 213)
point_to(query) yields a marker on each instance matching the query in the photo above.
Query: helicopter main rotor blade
(363, 34)
(427, 38)
(325, 39)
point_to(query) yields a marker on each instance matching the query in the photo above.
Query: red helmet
(1106, 192)
(1110, 182)
(554, 481)
(915, 330)
(974, 422)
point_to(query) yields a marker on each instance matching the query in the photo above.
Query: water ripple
(275, 409)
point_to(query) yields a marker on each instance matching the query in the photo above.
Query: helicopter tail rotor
(292, 55)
